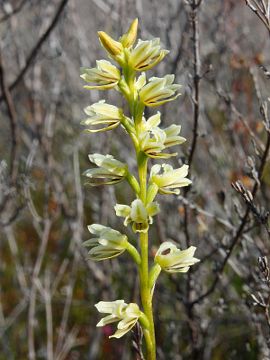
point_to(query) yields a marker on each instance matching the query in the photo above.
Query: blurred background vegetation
(219, 52)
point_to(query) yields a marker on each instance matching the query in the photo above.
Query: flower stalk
(149, 141)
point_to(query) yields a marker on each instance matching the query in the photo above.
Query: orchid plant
(149, 141)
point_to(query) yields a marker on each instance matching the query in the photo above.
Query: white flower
(172, 260)
(126, 315)
(104, 76)
(170, 180)
(108, 244)
(152, 143)
(154, 140)
(158, 91)
(146, 55)
(138, 214)
(109, 171)
(105, 115)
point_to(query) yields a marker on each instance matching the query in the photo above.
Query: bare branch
(33, 54)
(13, 124)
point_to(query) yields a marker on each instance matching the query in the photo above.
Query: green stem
(146, 297)
(142, 160)
(145, 290)
(136, 110)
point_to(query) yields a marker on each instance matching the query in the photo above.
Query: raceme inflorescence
(149, 141)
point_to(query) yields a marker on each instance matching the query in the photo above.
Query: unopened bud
(112, 46)
(129, 38)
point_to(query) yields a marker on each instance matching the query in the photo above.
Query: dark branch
(13, 124)
(33, 54)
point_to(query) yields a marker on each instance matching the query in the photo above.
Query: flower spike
(149, 141)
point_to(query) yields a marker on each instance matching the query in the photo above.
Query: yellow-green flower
(146, 55)
(126, 315)
(109, 171)
(104, 76)
(172, 260)
(138, 214)
(108, 244)
(152, 143)
(102, 117)
(158, 91)
(154, 140)
(170, 180)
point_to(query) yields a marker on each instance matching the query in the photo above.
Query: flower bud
(129, 38)
(113, 47)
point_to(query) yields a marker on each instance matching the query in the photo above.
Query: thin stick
(33, 292)
(49, 317)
